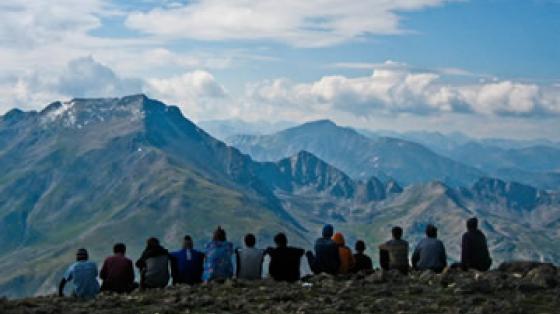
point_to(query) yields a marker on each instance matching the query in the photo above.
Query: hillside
(519, 290)
(357, 155)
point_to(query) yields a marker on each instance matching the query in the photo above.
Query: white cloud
(310, 23)
(85, 77)
(33, 23)
(394, 88)
(197, 93)
(82, 77)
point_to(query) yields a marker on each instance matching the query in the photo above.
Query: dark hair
(152, 242)
(250, 240)
(431, 231)
(82, 254)
(472, 223)
(219, 234)
(360, 246)
(119, 248)
(397, 232)
(281, 240)
(187, 238)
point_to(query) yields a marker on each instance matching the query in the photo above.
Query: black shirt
(363, 262)
(285, 263)
(474, 251)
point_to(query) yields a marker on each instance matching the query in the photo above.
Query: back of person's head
(119, 248)
(338, 238)
(328, 231)
(281, 240)
(82, 255)
(250, 240)
(472, 224)
(431, 231)
(397, 232)
(152, 242)
(360, 246)
(188, 242)
(219, 234)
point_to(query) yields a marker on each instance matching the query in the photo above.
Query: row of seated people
(215, 263)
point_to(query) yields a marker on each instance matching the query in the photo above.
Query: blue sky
(486, 68)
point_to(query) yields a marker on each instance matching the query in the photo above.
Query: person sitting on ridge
(345, 254)
(362, 261)
(153, 265)
(218, 264)
(430, 252)
(249, 260)
(394, 253)
(83, 275)
(326, 258)
(474, 248)
(187, 264)
(285, 261)
(117, 272)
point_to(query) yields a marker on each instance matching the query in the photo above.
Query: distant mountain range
(91, 172)
(359, 156)
(412, 157)
(222, 129)
(535, 162)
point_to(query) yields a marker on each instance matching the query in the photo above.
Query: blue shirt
(218, 264)
(83, 275)
(188, 266)
(429, 254)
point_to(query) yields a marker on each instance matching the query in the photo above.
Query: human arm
(237, 263)
(173, 261)
(103, 272)
(443, 255)
(465, 252)
(61, 286)
(415, 257)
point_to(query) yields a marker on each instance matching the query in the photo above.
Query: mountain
(534, 162)
(92, 172)
(305, 172)
(223, 129)
(358, 155)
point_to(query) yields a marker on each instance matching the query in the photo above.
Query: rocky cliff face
(521, 288)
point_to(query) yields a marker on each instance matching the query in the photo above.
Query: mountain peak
(81, 112)
(322, 122)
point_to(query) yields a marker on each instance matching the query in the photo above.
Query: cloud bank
(310, 23)
(394, 88)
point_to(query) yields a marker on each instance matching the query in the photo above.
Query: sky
(485, 68)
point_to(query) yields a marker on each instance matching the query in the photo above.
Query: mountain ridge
(99, 171)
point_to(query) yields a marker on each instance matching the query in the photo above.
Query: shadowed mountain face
(92, 172)
(359, 156)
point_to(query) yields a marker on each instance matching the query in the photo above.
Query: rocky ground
(514, 288)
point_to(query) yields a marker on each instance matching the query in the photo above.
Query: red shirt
(117, 274)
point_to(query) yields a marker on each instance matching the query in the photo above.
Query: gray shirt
(157, 272)
(249, 263)
(429, 254)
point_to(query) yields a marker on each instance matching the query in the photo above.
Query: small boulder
(522, 267)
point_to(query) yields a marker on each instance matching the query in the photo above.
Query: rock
(543, 276)
(427, 276)
(377, 277)
(522, 267)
